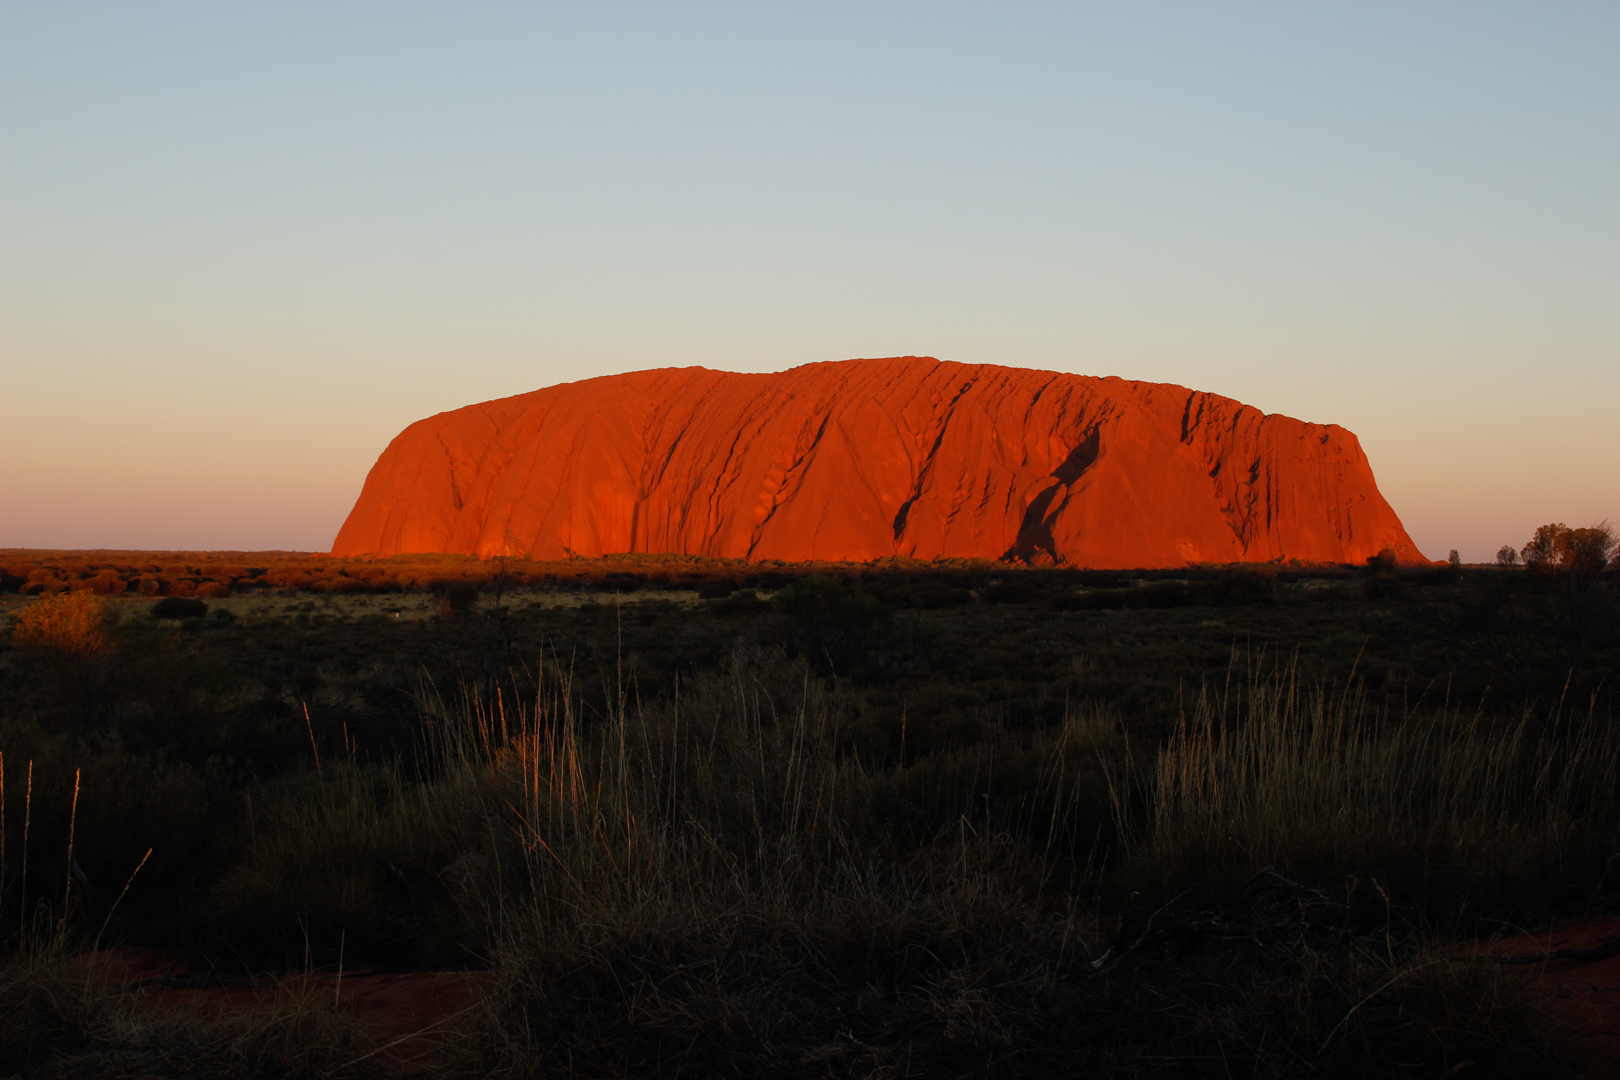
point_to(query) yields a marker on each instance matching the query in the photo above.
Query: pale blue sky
(242, 246)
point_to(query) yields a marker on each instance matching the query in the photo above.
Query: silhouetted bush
(178, 607)
(1103, 579)
(1010, 592)
(743, 602)
(1238, 587)
(1383, 562)
(1382, 586)
(837, 624)
(1161, 594)
(456, 598)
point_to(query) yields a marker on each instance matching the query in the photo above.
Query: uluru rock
(861, 459)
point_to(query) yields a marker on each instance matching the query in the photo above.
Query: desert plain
(284, 814)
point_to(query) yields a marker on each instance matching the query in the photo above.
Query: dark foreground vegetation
(699, 818)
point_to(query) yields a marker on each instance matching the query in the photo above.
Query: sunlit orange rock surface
(861, 459)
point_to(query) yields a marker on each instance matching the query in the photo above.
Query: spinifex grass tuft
(714, 890)
(1324, 786)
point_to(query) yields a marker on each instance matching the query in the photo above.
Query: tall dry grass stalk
(1324, 782)
(712, 888)
(733, 785)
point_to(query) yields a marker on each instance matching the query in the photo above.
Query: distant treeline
(1579, 554)
(210, 575)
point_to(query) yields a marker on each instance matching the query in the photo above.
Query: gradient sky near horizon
(243, 245)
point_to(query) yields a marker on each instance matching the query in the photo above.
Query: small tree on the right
(1581, 555)
(1540, 555)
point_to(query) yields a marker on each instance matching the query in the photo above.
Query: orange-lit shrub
(289, 579)
(104, 583)
(71, 623)
(213, 590)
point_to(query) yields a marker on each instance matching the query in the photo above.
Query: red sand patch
(1585, 993)
(408, 1012)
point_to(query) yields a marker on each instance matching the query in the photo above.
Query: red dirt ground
(408, 1012)
(1585, 993)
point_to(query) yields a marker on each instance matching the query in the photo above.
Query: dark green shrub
(1160, 594)
(1010, 592)
(179, 607)
(1239, 587)
(1382, 586)
(1383, 562)
(836, 624)
(456, 598)
(743, 602)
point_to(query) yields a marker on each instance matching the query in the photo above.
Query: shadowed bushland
(880, 823)
(709, 886)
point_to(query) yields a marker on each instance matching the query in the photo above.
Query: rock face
(861, 459)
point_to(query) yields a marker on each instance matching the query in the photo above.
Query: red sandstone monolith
(862, 459)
